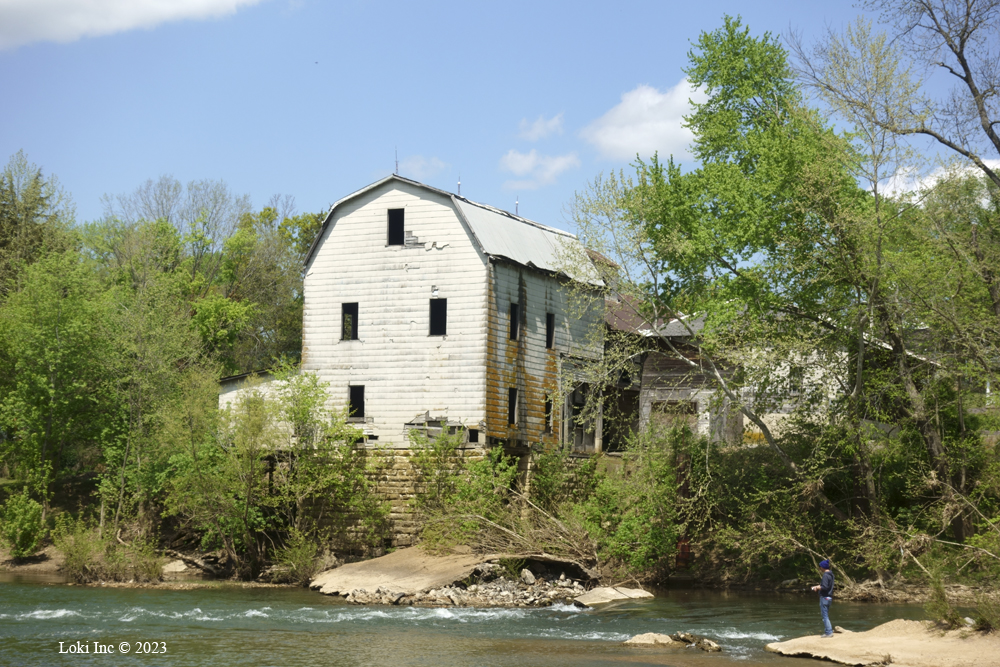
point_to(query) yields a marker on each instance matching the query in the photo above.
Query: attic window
(550, 331)
(439, 317)
(357, 398)
(512, 406)
(395, 235)
(514, 320)
(349, 321)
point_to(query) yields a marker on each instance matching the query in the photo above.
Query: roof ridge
(526, 221)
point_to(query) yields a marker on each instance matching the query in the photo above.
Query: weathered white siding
(405, 371)
(525, 363)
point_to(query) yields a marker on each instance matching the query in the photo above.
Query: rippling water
(225, 625)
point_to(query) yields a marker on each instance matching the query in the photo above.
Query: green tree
(34, 215)
(56, 407)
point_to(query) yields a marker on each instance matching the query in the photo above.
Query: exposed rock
(684, 637)
(653, 639)
(413, 577)
(606, 594)
(407, 570)
(910, 643)
(706, 644)
(175, 567)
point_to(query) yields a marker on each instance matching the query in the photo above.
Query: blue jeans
(824, 611)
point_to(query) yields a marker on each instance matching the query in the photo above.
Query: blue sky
(526, 100)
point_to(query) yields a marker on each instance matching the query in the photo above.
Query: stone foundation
(397, 481)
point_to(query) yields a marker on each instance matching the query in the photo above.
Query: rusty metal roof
(499, 233)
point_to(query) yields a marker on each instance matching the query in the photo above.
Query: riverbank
(180, 575)
(901, 643)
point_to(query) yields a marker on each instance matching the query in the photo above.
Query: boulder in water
(607, 594)
(653, 639)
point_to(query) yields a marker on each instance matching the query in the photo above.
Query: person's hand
(815, 588)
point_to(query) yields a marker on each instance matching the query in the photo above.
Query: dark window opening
(548, 414)
(372, 437)
(439, 317)
(349, 321)
(357, 402)
(512, 406)
(550, 331)
(473, 435)
(395, 235)
(514, 320)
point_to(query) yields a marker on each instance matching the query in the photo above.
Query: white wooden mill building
(425, 310)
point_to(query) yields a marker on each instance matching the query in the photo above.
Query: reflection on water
(229, 625)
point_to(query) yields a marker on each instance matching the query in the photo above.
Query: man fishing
(825, 589)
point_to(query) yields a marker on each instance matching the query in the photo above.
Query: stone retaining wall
(397, 481)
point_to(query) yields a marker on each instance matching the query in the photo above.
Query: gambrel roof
(499, 234)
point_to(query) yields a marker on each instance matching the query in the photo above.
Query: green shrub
(631, 514)
(298, 559)
(21, 526)
(81, 548)
(987, 614)
(550, 478)
(473, 504)
(939, 608)
(439, 465)
(91, 557)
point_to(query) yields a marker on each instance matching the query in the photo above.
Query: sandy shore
(902, 643)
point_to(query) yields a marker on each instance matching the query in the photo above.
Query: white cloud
(909, 180)
(534, 169)
(419, 167)
(541, 127)
(26, 21)
(645, 121)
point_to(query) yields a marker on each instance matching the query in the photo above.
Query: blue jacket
(826, 585)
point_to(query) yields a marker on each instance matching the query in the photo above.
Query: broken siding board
(405, 370)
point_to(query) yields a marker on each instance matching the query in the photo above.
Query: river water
(228, 625)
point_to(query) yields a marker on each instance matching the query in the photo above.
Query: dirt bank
(46, 561)
(900, 643)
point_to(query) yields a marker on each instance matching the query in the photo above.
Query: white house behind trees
(425, 310)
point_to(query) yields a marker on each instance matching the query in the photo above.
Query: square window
(357, 398)
(512, 406)
(515, 320)
(395, 234)
(550, 331)
(439, 317)
(473, 435)
(349, 321)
